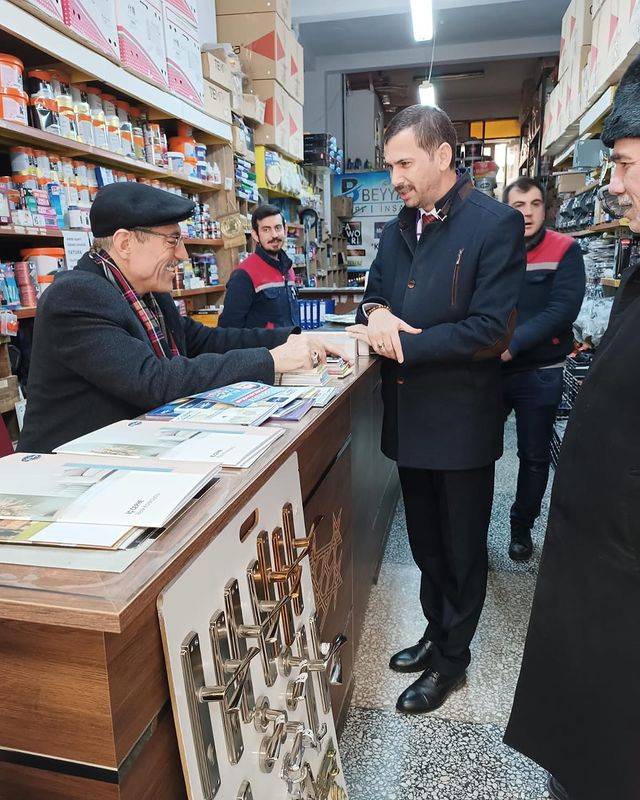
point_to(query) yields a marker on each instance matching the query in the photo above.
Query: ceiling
(474, 22)
(371, 41)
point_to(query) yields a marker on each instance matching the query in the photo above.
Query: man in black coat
(577, 705)
(440, 308)
(109, 343)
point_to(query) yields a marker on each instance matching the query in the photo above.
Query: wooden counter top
(106, 601)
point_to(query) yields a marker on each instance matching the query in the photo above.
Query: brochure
(61, 488)
(244, 393)
(63, 534)
(210, 411)
(318, 376)
(228, 446)
(294, 411)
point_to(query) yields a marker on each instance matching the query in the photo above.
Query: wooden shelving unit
(178, 293)
(56, 233)
(604, 227)
(22, 135)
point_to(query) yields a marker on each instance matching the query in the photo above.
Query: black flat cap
(136, 205)
(624, 120)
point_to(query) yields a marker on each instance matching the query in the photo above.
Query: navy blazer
(459, 283)
(92, 362)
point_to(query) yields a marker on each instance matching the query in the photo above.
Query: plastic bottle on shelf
(39, 84)
(126, 128)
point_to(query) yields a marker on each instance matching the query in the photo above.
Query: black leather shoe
(556, 791)
(412, 659)
(521, 546)
(428, 692)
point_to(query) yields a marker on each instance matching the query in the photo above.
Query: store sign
(375, 202)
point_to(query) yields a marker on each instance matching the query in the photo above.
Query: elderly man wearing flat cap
(577, 706)
(109, 343)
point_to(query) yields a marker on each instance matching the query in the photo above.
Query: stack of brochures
(337, 367)
(57, 499)
(317, 376)
(231, 446)
(245, 403)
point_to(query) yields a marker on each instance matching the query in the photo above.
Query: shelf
(25, 135)
(86, 64)
(603, 227)
(597, 111)
(204, 242)
(612, 282)
(28, 312)
(178, 293)
(23, 231)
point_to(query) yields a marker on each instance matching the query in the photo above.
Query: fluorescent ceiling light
(427, 92)
(422, 19)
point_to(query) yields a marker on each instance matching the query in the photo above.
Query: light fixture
(422, 19)
(427, 93)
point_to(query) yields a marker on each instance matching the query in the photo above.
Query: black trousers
(448, 515)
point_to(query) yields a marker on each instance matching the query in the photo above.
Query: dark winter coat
(577, 705)
(92, 362)
(460, 284)
(261, 293)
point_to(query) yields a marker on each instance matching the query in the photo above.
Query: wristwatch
(369, 308)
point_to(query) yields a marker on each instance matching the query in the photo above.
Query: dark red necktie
(427, 219)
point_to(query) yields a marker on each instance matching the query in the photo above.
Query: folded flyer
(228, 446)
(64, 488)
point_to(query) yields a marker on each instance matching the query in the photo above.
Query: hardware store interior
(312, 330)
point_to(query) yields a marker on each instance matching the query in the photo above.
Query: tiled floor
(456, 753)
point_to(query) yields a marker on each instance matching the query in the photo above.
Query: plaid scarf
(147, 310)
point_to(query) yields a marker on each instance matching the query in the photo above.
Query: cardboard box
(342, 206)
(281, 7)
(259, 41)
(217, 71)
(217, 101)
(184, 65)
(574, 105)
(274, 131)
(570, 183)
(95, 22)
(295, 68)
(576, 32)
(141, 39)
(187, 9)
(295, 146)
(253, 108)
(240, 145)
(8, 393)
(49, 10)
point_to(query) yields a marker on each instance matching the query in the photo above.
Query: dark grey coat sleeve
(99, 337)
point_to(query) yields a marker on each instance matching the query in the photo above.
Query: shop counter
(83, 689)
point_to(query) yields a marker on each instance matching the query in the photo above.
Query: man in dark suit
(109, 343)
(440, 308)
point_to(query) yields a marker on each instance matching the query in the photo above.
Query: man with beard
(440, 309)
(109, 343)
(261, 292)
(577, 705)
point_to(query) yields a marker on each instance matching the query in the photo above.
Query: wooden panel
(137, 679)
(54, 693)
(27, 783)
(332, 562)
(319, 449)
(156, 773)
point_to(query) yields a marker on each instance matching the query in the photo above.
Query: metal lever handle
(329, 652)
(271, 746)
(297, 689)
(231, 692)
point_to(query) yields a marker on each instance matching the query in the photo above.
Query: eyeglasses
(172, 239)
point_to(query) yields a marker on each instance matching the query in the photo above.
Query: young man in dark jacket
(440, 308)
(261, 292)
(532, 369)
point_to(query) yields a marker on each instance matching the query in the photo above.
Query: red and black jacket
(550, 299)
(261, 293)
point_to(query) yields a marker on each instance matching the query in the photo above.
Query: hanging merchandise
(593, 318)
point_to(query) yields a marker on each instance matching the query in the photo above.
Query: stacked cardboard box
(615, 43)
(141, 39)
(574, 53)
(217, 84)
(272, 59)
(182, 43)
(94, 22)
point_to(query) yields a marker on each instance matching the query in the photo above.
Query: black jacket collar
(533, 241)
(282, 263)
